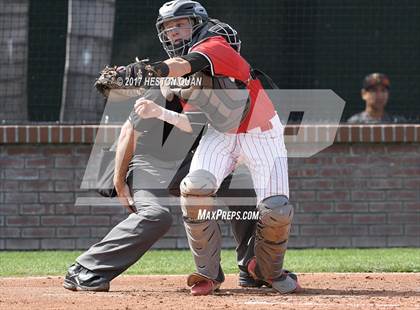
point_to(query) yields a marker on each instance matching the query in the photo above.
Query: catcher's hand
(123, 77)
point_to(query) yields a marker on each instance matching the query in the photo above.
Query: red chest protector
(226, 62)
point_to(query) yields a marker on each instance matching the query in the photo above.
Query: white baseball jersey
(263, 153)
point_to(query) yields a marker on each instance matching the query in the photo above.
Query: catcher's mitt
(125, 78)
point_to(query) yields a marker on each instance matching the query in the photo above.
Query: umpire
(152, 161)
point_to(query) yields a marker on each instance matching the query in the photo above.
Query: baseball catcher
(241, 128)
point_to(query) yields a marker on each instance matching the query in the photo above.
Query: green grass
(180, 261)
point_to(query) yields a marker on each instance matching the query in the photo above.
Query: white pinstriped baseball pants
(264, 153)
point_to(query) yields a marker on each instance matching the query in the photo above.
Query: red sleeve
(223, 58)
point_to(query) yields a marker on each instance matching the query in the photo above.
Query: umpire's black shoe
(245, 280)
(78, 278)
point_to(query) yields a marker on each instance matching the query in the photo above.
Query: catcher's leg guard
(272, 233)
(204, 237)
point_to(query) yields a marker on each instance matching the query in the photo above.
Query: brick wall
(363, 191)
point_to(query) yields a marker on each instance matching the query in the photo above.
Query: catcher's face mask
(176, 34)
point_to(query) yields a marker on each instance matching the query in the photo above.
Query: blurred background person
(375, 93)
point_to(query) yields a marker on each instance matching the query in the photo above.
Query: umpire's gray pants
(129, 240)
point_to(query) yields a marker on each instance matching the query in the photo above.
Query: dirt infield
(322, 291)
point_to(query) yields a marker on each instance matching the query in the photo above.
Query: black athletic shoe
(78, 278)
(245, 280)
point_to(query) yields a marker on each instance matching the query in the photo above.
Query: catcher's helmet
(177, 9)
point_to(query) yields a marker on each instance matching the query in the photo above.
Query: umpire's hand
(124, 195)
(147, 108)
